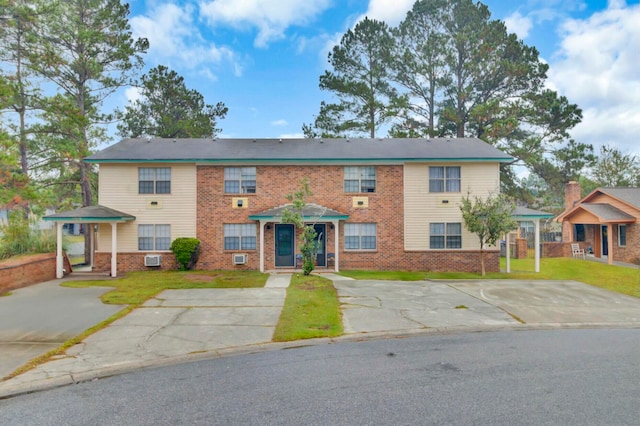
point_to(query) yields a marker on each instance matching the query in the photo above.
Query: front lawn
(135, 288)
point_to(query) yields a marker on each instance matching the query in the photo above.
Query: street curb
(11, 390)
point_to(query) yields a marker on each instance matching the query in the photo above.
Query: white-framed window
(622, 235)
(154, 180)
(240, 236)
(360, 236)
(445, 235)
(360, 179)
(154, 237)
(240, 180)
(444, 179)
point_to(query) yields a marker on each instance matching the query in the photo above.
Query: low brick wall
(561, 249)
(133, 262)
(24, 271)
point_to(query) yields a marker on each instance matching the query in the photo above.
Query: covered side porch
(279, 241)
(90, 215)
(601, 226)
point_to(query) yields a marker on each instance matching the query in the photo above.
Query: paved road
(549, 377)
(36, 319)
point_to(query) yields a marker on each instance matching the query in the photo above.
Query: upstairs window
(445, 235)
(154, 237)
(360, 179)
(360, 236)
(444, 179)
(240, 236)
(154, 180)
(240, 180)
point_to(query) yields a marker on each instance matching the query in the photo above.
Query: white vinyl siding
(422, 207)
(118, 189)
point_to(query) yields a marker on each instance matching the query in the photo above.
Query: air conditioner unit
(239, 259)
(152, 260)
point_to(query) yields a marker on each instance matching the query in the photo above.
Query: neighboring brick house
(377, 203)
(606, 222)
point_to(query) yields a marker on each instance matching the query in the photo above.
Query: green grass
(311, 310)
(621, 279)
(137, 287)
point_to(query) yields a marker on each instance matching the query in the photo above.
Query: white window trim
(360, 235)
(625, 235)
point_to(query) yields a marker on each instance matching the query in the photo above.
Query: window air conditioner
(239, 259)
(152, 260)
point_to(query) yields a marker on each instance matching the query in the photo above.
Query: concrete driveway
(36, 319)
(399, 306)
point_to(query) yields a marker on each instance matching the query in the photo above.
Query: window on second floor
(240, 180)
(444, 179)
(154, 237)
(154, 180)
(360, 179)
(445, 235)
(240, 236)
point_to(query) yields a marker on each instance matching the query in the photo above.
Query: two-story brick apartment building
(376, 204)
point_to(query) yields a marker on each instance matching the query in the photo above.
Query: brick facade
(385, 208)
(133, 262)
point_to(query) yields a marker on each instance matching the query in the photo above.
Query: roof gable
(299, 150)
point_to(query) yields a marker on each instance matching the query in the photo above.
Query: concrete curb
(16, 389)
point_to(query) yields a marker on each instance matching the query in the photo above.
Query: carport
(90, 215)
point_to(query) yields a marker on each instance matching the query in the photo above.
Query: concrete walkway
(180, 325)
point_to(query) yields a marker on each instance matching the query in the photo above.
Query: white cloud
(132, 94)
(597, 68)
(279, 123)
(291, 136)
(271, 18)
(390, 11)
(173, 36)
(518, 24)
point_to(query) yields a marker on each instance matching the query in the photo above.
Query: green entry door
(285, 247)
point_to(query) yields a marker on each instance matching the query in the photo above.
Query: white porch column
(59, 258)
(537, 245)
(114, 249)
(336, 243)
(262, 223)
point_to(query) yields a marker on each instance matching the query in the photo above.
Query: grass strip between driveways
(311, 310)
(621, 279)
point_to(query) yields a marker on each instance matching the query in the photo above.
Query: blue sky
(263, 58)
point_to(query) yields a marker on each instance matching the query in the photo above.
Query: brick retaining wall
(23, 271)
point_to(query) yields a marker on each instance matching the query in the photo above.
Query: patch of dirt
(201, 278)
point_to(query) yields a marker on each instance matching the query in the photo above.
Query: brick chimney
(571, 194)
(571, 198)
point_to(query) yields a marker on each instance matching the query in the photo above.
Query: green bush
(18, 237)
(186, 251)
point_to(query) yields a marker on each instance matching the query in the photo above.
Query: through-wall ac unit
(239, 259)
(152, 260)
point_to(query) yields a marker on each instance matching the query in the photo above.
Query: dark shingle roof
(309, 212)
(283, 150)
(628, 195)
(91, 213)
(606, 212)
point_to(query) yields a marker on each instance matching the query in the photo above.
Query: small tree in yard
(489, 219)
(293, 215)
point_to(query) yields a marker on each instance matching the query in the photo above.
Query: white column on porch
(336, 243)
(537, 245)
(262, 224)
(114, 249)
(507, 246)
(59, 258)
